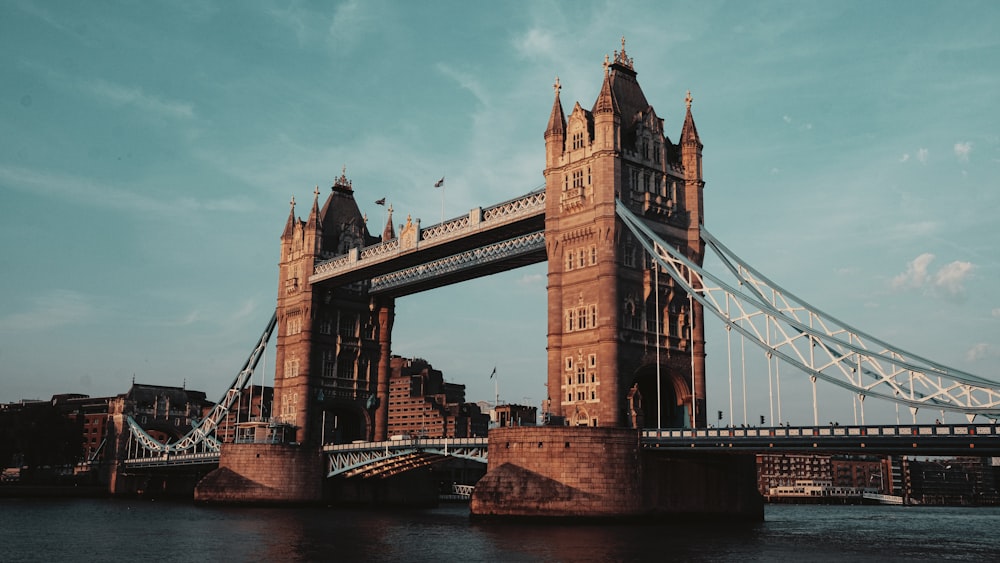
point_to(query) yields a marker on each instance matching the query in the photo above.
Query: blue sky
(149, 151)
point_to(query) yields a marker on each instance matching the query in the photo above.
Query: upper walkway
(486, 241)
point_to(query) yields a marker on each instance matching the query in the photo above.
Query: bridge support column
(264, 474)
(601, 473)
(562, 472)
(386, 314)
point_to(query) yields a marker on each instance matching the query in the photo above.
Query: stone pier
(264, 474)
(602, 473)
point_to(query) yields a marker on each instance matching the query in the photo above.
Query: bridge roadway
(395, 456)
(914, 440)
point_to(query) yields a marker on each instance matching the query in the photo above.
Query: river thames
(116, 529)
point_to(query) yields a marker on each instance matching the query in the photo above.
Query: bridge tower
(331, 340)
(614, 323)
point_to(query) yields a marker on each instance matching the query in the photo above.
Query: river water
(144, 530)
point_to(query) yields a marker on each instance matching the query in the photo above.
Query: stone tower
(605, 306)
(329, 345)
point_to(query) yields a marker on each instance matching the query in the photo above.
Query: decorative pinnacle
(316, 192)
(557, 86)
(607, 63)
(622, 59)
(688, 99)
(292, 203)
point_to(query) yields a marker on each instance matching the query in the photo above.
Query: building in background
(254, 405)
(422, 404)
(514, 415)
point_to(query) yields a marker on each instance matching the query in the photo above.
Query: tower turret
(555, 133)
(608, 341)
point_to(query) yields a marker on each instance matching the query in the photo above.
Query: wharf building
(844, 471)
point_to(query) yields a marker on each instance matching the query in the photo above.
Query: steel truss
(813, 341)
(201, 439)
(384, 459)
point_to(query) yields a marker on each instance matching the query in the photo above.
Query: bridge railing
(406, 443)
(167, 459)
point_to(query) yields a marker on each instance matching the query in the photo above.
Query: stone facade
(607, 305)
(330, 348)
(602, 473)
(560, 472)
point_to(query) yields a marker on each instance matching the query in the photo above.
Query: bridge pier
(264, 474)
(602, 473)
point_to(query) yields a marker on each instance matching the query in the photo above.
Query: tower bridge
(620, 223)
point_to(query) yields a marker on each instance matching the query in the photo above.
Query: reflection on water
(87, 529)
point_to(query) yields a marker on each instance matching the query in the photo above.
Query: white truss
(201, 438)
(496, 252)
(384, 459)
(476, 220)
(813, 341)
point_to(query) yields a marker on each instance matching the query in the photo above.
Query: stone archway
(674, 411)
(343, 423)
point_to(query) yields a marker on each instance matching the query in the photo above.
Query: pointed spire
(557, 119)
(606, 102)
(388, 233)
(689, 133)
(290, 224)
(314, 220)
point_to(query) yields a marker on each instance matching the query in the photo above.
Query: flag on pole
(494, 372)
(439, 183)
(380, 201)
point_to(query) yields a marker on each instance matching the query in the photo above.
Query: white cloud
(962, 150)
(349, 24)
(922, 155)
(905, 157)
(534, 43)
(531, 279)
(951, 276)
(949, 279)
(99, 194)
(800, 125)
(980, 351)
(466, 81)
(996, 312)
(52, 310)
(118, 94)
(915, 275)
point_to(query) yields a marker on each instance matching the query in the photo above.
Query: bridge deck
(928, 440)
(482, 227)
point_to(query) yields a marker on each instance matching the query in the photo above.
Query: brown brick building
(421, 403)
